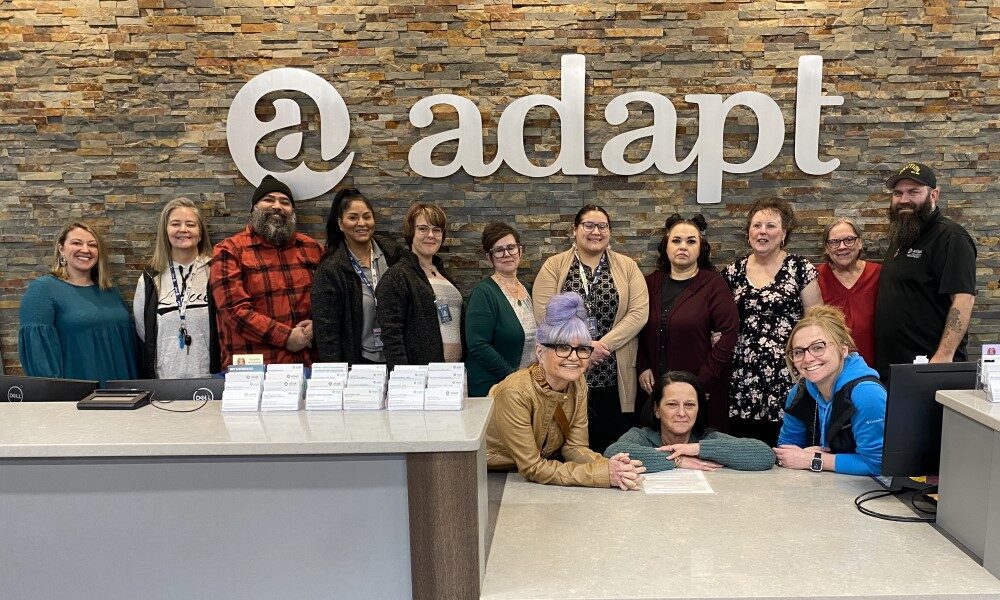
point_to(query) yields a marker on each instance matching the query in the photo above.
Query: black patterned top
(761, 380)
(602, 304)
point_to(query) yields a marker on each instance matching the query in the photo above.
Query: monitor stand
(897, 484)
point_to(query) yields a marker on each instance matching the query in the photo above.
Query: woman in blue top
(835, 418)
(674, 435)
(73, 322)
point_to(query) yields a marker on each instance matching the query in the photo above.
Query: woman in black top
(343, 296)
(419, 306)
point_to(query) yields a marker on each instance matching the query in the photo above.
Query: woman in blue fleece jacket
(835, 415)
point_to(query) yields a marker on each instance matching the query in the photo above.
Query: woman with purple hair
(541, 411)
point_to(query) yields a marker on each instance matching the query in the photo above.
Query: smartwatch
(816, 464)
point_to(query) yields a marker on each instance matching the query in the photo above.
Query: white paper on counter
(677, 481)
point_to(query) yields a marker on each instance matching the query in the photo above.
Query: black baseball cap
(267, 185)
(917, 172)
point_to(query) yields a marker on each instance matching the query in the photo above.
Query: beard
(274, 226)
(904, 228)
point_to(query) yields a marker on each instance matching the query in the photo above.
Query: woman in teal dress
(674, 436)
(500, 322)
(73, 322)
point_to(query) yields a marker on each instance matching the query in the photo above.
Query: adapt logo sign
(244, 131)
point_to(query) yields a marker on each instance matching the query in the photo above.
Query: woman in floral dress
(772, 288)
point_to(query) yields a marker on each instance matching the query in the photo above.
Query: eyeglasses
(512, 249)
(564, 350)
(589, 226)
(848, 242)
(427, 229)
(816, 349)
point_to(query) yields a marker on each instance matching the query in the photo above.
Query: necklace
(429, 270)
(503, 284)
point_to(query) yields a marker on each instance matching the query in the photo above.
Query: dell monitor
(912, 445)
(208, 388)
(16, 388)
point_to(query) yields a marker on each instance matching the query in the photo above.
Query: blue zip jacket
(867, 423)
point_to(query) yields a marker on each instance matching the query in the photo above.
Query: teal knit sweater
(494, 337)
(742, 454)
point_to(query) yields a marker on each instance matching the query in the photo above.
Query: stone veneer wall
(110, 108)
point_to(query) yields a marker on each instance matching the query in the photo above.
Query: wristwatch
(816, 464)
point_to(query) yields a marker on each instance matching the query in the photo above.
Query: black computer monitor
(16, 388)
(208, 388)
(912, 445)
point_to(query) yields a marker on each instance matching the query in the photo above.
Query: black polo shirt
(914, 292)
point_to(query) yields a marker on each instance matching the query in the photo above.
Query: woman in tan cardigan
(617, 303)
(542, 410)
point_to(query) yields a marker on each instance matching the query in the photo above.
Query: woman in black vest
(835, 414)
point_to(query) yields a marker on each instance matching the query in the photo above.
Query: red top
(857, 302)
(262, 292)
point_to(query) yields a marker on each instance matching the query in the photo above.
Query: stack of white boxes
(284, 386)
(326, 386)
(445, 386)
(406, 387)
(365, 388)
(243, 387)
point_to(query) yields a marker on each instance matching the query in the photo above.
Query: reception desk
(776, 534)
(152, 504)
(969, 485)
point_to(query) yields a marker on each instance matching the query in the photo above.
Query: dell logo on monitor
(15, 394)
(203, 395)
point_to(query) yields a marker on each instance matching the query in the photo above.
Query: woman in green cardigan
(500, 324)
(674, 436)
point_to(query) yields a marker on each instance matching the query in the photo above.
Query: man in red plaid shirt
(262, 282)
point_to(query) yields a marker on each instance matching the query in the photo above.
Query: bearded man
(261, 280)
(928, 282)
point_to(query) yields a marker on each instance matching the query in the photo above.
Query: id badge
(181, 338)
(592, 326)
(444, 313)
(377, 333)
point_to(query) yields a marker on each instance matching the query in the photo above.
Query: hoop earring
(61, 260)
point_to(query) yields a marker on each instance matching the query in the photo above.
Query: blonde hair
(161, 251)
(829, 228)
(99, 272)
(828, 318)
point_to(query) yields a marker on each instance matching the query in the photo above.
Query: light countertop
(59, 430)
(776, 534)
(972, 404)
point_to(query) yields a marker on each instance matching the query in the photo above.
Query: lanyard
(180, 294)
(583, 276)
(371, 285)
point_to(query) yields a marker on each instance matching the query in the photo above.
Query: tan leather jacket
(633, 312)
(523, 432)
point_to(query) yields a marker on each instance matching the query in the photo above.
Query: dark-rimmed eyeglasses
(848, 242)
(589, 226)
(512, 249)
(816, 349)
(564, 350)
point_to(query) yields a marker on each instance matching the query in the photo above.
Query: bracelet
(677, 462)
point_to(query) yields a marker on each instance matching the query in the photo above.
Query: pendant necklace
(506, 286)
